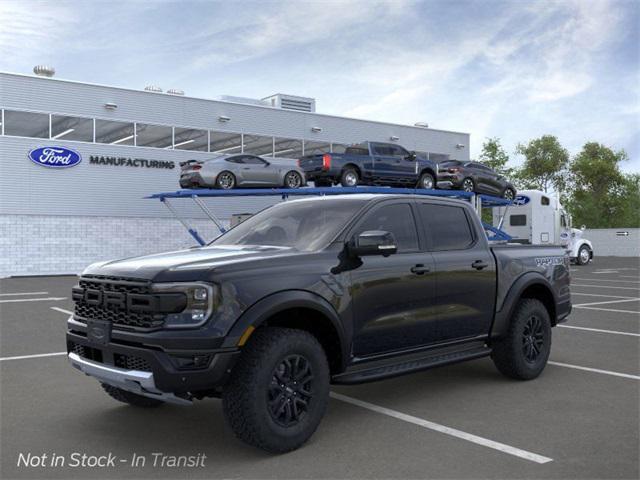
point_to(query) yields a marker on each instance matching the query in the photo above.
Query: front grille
(131, 363)
(89, 304)
(86, 352)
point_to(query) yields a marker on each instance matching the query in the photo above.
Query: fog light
(200, 294)
(198, 315)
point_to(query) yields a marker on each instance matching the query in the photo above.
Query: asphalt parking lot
(580, 419)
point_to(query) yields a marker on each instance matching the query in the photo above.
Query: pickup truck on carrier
(371, 163)
(345, 290)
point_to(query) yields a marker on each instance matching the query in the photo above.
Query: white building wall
(612, 242)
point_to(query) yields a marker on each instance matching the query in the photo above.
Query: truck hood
(184, 263)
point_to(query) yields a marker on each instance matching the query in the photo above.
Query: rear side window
(518, 220)
(544, 200)
(448, 227)
(397, 219)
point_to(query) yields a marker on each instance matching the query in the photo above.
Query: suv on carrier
(345, 289)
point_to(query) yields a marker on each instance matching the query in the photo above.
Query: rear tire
(278, 391)
(349, 178)
(131, 398)
(468, 185)
(523, 352)
(225, 180)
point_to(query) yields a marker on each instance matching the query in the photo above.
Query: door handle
(246, 168)
(420, 269)
(479, 264)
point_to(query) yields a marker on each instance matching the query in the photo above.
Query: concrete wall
(609, 242)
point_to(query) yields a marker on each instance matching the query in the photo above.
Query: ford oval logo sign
(55, 157)
(521, 200)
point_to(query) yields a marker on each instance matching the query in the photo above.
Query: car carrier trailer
(478, 201)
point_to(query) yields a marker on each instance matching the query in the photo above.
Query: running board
(415, 365)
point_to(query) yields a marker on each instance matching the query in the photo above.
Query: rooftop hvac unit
(44, 71)
(175, 91)
(153, 88)
(291, 102)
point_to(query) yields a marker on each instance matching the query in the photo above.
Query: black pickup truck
(371, 163)
(344, 290)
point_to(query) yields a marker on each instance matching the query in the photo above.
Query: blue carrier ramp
(196, 195)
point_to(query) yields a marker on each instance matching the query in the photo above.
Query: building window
(156, 136)
(287, 148)
(71, 128)
(114, 133)
(225, 143)
(338, 147)
(258, 145)
(26, 124)
(313, 148)
(190, 139)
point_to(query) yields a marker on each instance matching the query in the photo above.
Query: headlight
(202, 298)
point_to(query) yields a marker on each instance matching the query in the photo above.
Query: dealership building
(128, 145)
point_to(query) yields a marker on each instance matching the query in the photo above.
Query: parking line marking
(608, 301)
(595, 370)
(485, 442)
(609, 310)
(600, 330)
(62, 310)
(599, 295)
(606, 280)
(48, 299)
(39, 355)
(628, 276)
(23, 293)
(607, 286)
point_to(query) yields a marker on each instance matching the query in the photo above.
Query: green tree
(494, 156)
(601, 196)
(545, 164)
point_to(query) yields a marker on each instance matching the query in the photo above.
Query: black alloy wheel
(532, 339)
(290, 392)
(226, 180)
(293, 180)
(468, 185)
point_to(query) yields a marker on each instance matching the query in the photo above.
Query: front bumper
(150, 371)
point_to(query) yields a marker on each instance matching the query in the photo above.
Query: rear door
(383, 161)
(465, 271)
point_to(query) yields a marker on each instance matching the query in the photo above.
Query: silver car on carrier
(241, 170)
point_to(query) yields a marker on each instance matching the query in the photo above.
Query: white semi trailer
(537, 218)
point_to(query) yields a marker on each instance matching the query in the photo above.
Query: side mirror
(373, 242)
(583, 228)
(411, 156)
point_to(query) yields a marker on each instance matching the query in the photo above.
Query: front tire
(427, 181)
(584, 255)
(509, 194)
(130, 397)
(278, 391)
(293, 179)
(226, 180)
(523, 352)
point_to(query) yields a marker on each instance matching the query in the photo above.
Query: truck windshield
(307, 225)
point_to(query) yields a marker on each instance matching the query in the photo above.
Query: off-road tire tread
(506, 354)
(238, 398)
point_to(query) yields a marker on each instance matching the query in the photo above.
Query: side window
(251, 160)
(235, 159)
(398, 151)
(517, 220)
(397, 219)
(544, 200)
(447, 226)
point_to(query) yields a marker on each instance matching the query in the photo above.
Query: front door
(256, 171)
(392, 296)
(466, 272)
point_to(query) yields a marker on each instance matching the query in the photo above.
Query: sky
(514, 70)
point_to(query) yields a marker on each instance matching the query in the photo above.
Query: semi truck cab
(537, 218)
